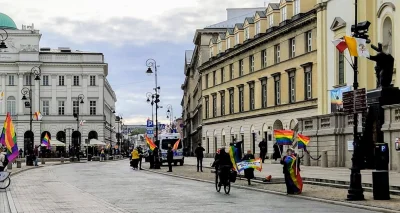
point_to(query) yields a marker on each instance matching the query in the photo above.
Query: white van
(171, 138)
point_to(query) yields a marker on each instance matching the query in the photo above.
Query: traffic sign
(149, 123)
(355, 101)
(162, 126)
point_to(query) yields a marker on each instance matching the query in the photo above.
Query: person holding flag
(170, 157)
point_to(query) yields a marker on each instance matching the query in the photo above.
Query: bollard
(9, 165)
(42, 160)
(324, 159)
(307, 161)
(62, 159)
(18, 163)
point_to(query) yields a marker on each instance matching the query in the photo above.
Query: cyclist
(223, 164)
(2, 159)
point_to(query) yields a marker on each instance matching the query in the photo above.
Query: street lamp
(170, 114)
(76, 115)
(3, 38)
(28, 91)
(152, 63)
(150, 100)
(119, 120)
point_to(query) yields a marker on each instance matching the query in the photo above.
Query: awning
(95, 142)
(55, 142)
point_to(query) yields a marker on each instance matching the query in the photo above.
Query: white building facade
(65, 76)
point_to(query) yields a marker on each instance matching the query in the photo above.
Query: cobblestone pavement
(4, 208)
(115, 187)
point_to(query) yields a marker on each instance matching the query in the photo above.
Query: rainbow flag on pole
(46, 141)
(176, 144)
(283, 137)
(151, 144)
(232, 154)
(302, 141)
(9, 139)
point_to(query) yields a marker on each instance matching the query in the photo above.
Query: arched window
(11, 105)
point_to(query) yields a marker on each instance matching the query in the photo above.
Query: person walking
(248, 173)
(3, 160)
(36, 155)
(21, 152)
(263, 145)
(102, 155)
(135, 159)
(199, 154)
(170, 157)
(140, 150)
(277, 153)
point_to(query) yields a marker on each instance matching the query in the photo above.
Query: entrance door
(243, 151)
(266, 139)
(215, 144)
(254, 142)
(208, 145)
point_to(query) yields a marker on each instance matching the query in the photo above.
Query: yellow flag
(357, 46)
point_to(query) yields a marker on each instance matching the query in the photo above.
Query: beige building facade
(262, 75)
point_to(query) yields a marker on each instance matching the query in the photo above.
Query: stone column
(68, 104)
(3, 89)
(100, 104)
(20, 103)
(53, 104)
(84, 107)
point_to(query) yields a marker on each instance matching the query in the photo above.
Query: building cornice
(306, 19)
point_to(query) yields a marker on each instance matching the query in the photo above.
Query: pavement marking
(11, 202)
(339, 203)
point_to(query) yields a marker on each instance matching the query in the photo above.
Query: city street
(115, 187)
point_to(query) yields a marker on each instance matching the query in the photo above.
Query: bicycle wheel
(4, 184)
(217, 187)
(227, 187)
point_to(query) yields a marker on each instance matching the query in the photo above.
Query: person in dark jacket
(151, 159)
(170, 157)
(263, 149)
(199, 154)
(249, 173)
(277, 153)
(156, 154)
(140, 150)
(224, 165)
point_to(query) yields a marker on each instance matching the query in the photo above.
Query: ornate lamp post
(119, 120)
(35, 71)
(151, 63)
(80, 99)
(150, 100)
(170, 115)
(3, 38)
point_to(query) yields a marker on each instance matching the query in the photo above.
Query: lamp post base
(355, 192)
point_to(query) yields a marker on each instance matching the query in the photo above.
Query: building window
(241, 99)
(296, 7)
(237, 38)
(206, 80)
(251, 94)
(61, 107)
(92, 80)
(292, 87)
(92, 107)
(251, 62)
(264, 58)
(207, 106)
(231, 70)
(214, 78)
(223, 103)
(76, 80)
(45, 80)
(277, 54)
(284, 13)
(228, 40)
(341, 68)
(241, 68)
(277, 89)
(222, 75)
(61, 80)
(214, 102)
(292, 48)
(11, 80)
(28, 80)
(246, 33)
(258, 27)
(308, 41)
(46, 107)
(271, 20)
(231, 101)
(75, 107)
(308, 82)
(11, 105)
(264, 93)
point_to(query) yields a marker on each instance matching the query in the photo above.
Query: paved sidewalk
(337, 174)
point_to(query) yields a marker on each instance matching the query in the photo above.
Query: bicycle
(227, 185)
(5, 180)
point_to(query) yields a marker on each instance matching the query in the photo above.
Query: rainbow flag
(9, 139)
(46, 141)
(175, 147)
(151, 144)
(302, 141)
(283, 137)
(38, 116)
(250, 164)
(294, 180)
(232, 154)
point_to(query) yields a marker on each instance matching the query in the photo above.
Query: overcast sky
(128, 32)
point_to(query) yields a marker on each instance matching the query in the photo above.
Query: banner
(337, 98)
(250, 164)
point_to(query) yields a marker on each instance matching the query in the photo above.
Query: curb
(340, 203)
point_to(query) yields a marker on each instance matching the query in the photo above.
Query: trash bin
(380, 185)
(89, 158)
